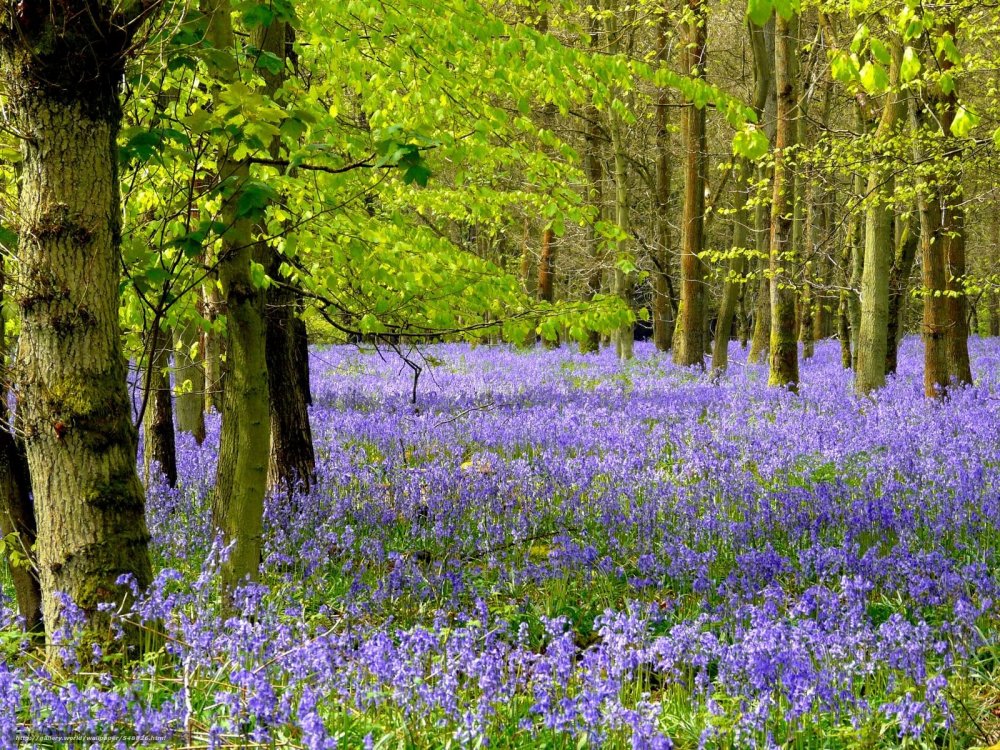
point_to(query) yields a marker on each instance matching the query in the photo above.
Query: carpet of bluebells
(564, 551)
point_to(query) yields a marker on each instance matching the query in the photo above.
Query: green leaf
(8, 238)
(258, 15)
(253, 199)
(844, 68)
(874, 78)
(909, 68)
(759, 11)
(751, 144)
(880, 52)
(947, 83)
(965, 120)
(787, 8)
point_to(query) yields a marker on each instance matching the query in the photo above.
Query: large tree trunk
(241, 480)
(189, 382)
(689, 346)
(158, 418)
(75, 411)
(857, 251)
(784, 350)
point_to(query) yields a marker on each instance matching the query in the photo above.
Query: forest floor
(561, 551)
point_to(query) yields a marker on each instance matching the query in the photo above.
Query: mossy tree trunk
(591, 343)
(63, 70)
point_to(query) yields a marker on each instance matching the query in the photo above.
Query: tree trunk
(690, 340)
(907, 239)
(591, 342)
(292, 458)
(993, 307)
(158, 418)
(624, 338)
(661, 259)
(213, 344)
(735, 285)
(873, 336)
(856, 235)
(79, 438)
(784, 350)
(933, 268)
(189, 382)
(241, 479)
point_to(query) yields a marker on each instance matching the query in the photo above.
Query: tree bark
(63, 75)
(591, 343)
(689, 346)
(784, 350)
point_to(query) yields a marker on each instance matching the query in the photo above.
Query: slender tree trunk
(907, 240)
(624, 338)
(856, 234)
(17, 513)
(241, 479)
(595, 172)
(993, 307)
(735, 285)
(690, 342)
(761, 338)
(292, 461)
(933, 268)
(784, 361)
(158, 418)
(213, 344)
(74, 406)
(189, 382)
(661, 261)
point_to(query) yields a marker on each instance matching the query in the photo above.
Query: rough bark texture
(158, 419)
(241, 479)
(689, 348)
(62, 77)
(784, 350)
(189, 382)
